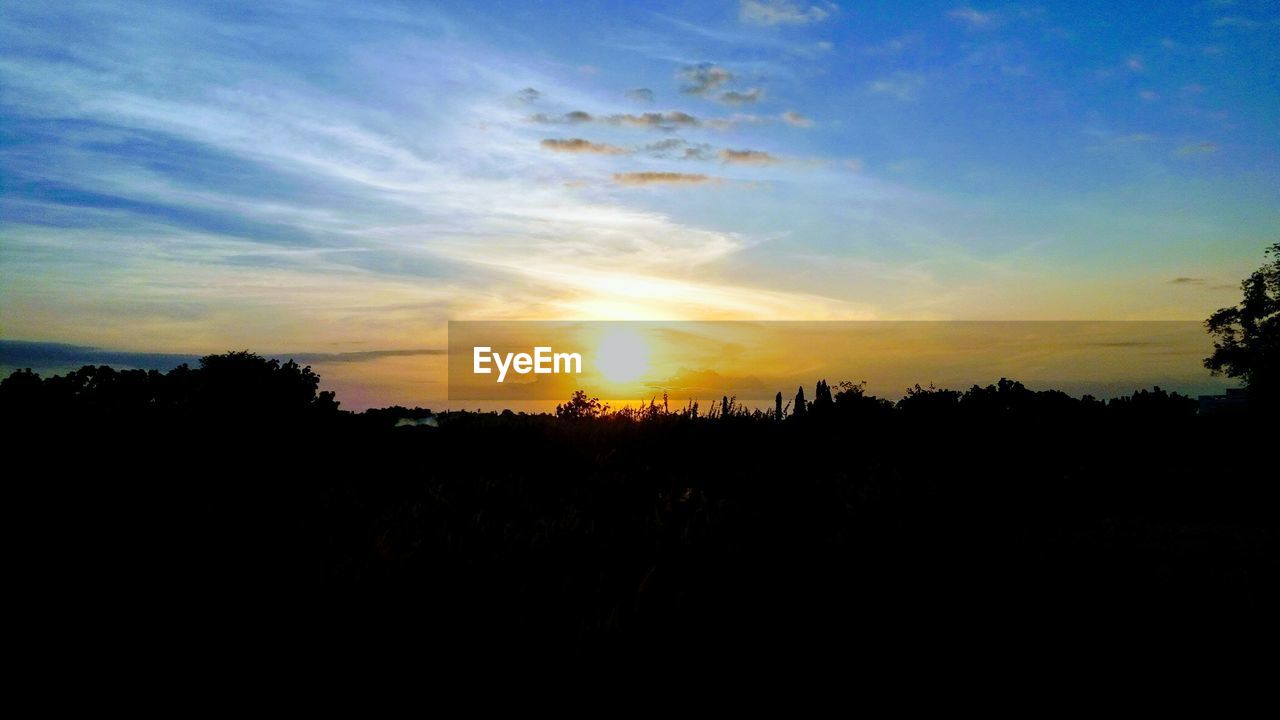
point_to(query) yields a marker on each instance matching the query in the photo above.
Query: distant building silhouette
(1235, 400)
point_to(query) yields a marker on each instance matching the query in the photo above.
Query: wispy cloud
(783, 12)
(1203, 148)
(747, 157)
(903, 86)
(640, 95)
(664, 120)
(893, 46)
(703, 78)
(528, 95)
(1233, 21)
(569, 118)
(660, 178)
(741, 97)
(359, 356)
(578, 145)
(654, 120)
(791, 117)
(974, 18)
(1187, 281)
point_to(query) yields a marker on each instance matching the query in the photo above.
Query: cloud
(1134, 63)
(1236, 22)
(1149, 96)
(660, 178)
(707, 381)
(664, 120)
(1204, 148)
(641, 95)
(358, 356)
(528, 95)
(670, 120)
(893, 46)
(974, 18)
(675, 148)
(745, 97)
(747, 157)
(791, 117)
(1187, 281)
(854, 164)
(782, 12)
(578, 145)
(569, 118)
(703, 78)
(50, 357)
(900, 86)
(588, 69)
(728, 123)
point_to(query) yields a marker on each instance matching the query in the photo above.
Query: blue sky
(333, 177)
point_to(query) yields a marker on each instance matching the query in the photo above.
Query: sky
(340, 180)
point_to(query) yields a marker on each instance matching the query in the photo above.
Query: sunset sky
(336, 178)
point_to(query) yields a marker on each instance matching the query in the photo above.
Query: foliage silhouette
(581, 407)
(236, 485)
(1247, 336)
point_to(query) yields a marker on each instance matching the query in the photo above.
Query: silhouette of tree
(932, 402)
(800, 406)
(581, 407)
(822, 402)
(238, 386)
(777, 406)
(853, 402)
(1247, 337)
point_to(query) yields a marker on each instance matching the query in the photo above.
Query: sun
(622, 355)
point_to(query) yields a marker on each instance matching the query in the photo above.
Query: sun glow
(622, 355)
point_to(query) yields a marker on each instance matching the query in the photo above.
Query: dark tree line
(237, 385)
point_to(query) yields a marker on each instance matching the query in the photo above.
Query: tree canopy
(1247, 336)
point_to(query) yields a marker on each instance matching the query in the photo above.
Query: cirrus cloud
(578, 145)
(660, 178)
(900, 86)
(791, 117)
(783, 12)
(973, 18)
(1204, 148)
(747, 157)
(743, 97)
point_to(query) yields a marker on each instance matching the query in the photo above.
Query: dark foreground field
(1018, 519)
